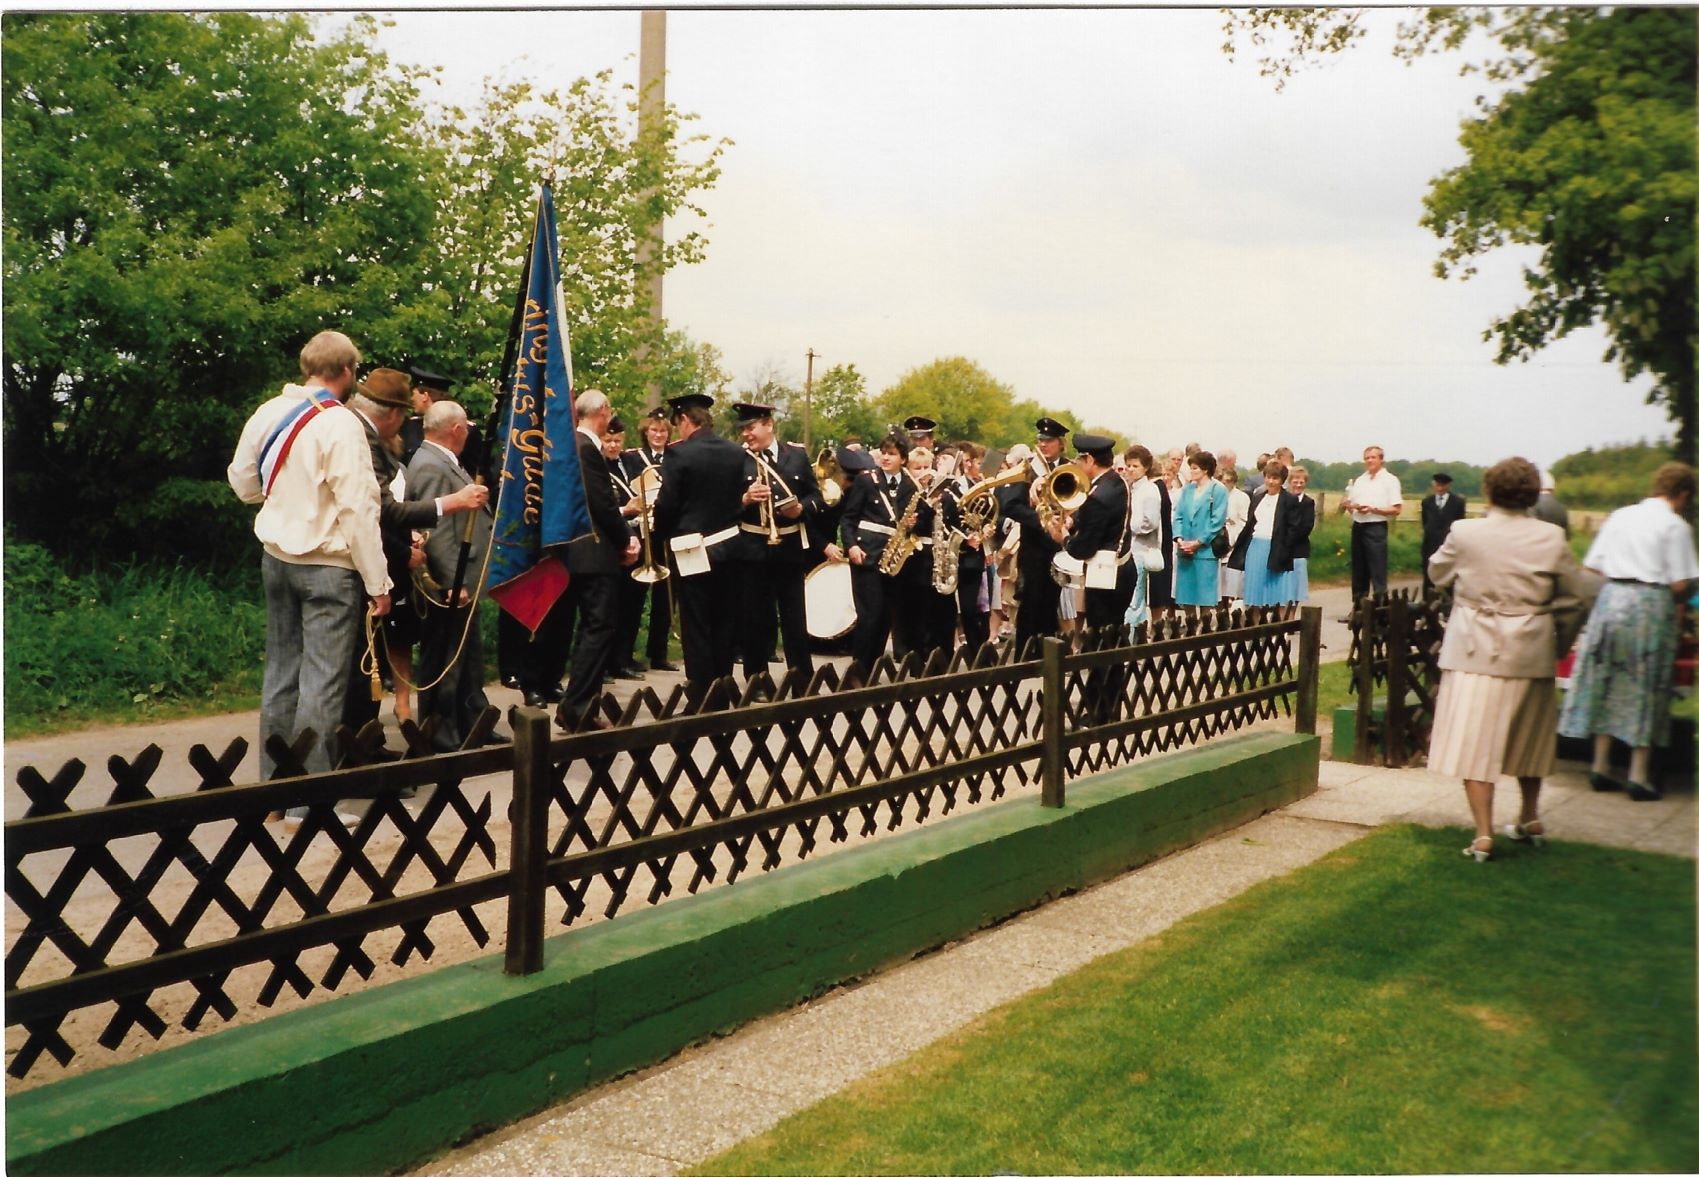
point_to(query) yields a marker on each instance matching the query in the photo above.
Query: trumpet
(647, 486)
(1062, 491)
(769, 509)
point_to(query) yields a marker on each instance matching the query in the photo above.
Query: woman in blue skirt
(1264, 551)
(1199, 516)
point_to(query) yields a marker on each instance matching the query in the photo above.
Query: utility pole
(652, 100)
(808, 405)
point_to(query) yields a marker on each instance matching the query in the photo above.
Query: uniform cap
(1096, 445)
(431, 380)
(750, 411)
(920, 424)
(1050, 428)
(690, 400)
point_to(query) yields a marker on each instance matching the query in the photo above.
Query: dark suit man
(780, 478)
(632, 592)
(382, 403)
(1440, 509)
(697, 516)
(597, 563)
(1039, 595)
(451, 649)
(1102, 538)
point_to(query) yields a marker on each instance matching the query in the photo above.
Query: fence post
(530, 822)
(1053, 794)
(1309, 669)
(1397, 670)
(1365, 671)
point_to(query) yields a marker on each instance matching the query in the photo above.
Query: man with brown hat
(382, 404)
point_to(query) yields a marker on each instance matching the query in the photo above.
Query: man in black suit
(780, 479)
(1102, 539)
(1039, 595)
(1440, 510)
(451, 650)
(697, 516)
(596, 564)
(382, 403)
(875, 505)
(654, 433)
(631, 591)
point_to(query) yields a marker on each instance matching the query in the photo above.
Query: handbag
(1219, 545)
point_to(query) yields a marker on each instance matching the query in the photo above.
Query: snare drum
(828, 601)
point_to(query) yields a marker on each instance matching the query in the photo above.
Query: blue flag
(540, 503)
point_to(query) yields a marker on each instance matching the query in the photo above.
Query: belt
(757, 529)
(718, 537)
(1369, 523)
(877, 528)
(1641, 583)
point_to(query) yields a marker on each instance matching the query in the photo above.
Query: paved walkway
(710, 1096)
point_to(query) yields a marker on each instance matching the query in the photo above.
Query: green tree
(839, 408)
(1587, 153)
(188, 199)
(966, 401)
(615, 181)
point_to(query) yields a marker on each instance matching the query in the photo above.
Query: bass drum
(829, 601)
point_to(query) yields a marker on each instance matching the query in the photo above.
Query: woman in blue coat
(1199, 517)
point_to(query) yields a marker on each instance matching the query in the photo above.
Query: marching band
(764, 550)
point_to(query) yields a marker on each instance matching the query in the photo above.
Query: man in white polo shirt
(1374, 499)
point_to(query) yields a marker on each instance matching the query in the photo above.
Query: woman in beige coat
(1512, 576)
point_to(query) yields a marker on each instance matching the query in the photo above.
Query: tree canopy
(189, 198)
(1587, 153)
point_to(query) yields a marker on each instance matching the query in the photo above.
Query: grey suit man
(435, 471)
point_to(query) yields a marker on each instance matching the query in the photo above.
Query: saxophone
(904, 543)
(946, 553)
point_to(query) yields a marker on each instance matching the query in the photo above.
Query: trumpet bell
(1066, 487)
(649, 574)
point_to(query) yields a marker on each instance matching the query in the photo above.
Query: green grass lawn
(1391, 1008)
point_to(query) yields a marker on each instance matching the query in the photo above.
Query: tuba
(979, 504)
(1062, 491)
(827, 473)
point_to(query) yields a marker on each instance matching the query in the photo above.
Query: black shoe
(663, 664)
(510, 681)
(555, 693)
(1603, 784)
(627, 673)
(538, 699)
(1640, 792)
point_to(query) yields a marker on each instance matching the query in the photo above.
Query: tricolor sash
(281, 438)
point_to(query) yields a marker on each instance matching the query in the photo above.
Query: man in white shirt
(303, 456)
(1374, 499)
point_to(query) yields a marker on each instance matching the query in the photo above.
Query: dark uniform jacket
(1101, 522)
(867, 501)
(640, 459)
(1292, 525)
(1015, 502)
(600, 551)
(1437, 521)
(797, 472)
(702, 492)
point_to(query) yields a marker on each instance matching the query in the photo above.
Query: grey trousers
(312, 620)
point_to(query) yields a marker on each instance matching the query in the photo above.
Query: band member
(631, 592)
(654, 432)
(1102, 539)
(920, 430)
(878, 506)
(780, 495)
(1040, 595)
(973, 600)
(697, 515)
(596, 563)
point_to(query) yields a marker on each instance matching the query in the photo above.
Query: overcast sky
(1098, 207)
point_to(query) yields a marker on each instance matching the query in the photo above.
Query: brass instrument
(647, 486)
(1061, 492)
(769, 515)
(827, 473)
(979, 504)
(904, 543)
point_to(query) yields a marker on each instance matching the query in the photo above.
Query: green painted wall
(383, 1079)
